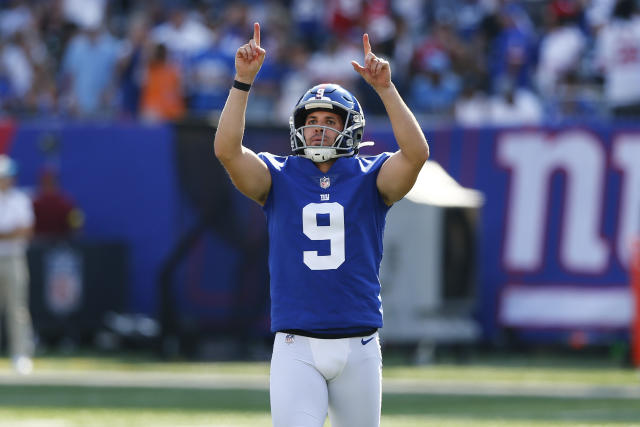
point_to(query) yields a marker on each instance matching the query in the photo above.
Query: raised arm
(399, 172)
(248, 172)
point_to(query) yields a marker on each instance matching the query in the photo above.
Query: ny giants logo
(532, 157)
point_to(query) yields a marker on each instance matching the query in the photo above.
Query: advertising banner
(554, 235)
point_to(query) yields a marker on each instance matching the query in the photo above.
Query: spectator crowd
(475, 62)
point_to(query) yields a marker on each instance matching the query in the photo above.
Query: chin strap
(320, 154)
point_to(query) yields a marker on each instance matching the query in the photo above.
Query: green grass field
(90, 391)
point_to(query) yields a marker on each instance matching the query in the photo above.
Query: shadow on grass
(132, 397)
(514, 408)
(472, 407)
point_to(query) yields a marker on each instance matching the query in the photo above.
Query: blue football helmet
(336, 99)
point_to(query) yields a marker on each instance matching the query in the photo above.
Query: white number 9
(334, 232)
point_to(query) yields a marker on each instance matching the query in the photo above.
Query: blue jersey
(325, 243)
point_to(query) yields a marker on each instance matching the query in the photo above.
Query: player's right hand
(249, 58)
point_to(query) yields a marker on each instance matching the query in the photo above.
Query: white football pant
(311, 376)
(14, 302)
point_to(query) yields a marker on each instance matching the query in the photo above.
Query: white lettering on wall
(583, 248)
(626, 157)
(532, 159)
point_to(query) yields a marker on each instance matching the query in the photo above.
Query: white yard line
(105, 378)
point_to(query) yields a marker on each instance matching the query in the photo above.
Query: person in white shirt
(561, 49)
(471, 109)
(514, 106)
(16, 226)
(618, 57)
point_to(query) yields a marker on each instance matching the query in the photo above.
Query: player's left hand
(376, 71)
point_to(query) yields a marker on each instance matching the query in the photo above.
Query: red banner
(7, 127)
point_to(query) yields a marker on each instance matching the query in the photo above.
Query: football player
(325, 209)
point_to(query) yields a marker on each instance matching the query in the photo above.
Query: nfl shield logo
(325, 182)
(63, 284)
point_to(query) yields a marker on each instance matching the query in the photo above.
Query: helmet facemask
(336, 100)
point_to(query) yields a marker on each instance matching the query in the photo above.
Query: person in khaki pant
(16, 226)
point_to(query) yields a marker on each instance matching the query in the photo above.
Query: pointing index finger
(365, 43)
(256, 33)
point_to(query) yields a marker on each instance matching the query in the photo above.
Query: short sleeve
(26, 218)
(275, 164)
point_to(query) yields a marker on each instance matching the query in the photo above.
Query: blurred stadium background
(512, 254)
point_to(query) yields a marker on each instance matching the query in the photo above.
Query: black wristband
(241, 86)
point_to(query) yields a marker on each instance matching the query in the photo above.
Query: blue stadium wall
(556, 226)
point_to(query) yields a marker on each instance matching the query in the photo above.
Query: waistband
(331, 334)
